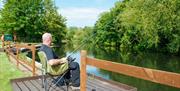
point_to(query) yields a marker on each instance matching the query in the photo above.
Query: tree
(80, 36)
(54, 22)
(108, 32)
(31, 18)
(141, 25)
(155, 24)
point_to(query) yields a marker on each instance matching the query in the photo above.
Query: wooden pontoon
(157, 76)
(34, 83)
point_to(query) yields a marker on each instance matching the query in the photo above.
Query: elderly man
(53, 59)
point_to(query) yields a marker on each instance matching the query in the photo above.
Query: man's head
(47, 39)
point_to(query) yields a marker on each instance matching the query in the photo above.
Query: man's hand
(62, 60)
(57, 61)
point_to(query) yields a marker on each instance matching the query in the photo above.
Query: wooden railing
(32, 48)
(6, 45)
(2, 40)
(157, 76)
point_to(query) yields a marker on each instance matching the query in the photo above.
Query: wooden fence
(157, 76)
(6, 45)
(32, 48)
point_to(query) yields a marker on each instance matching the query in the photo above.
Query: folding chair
(52, 71)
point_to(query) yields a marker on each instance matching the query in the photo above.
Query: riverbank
(8, 71)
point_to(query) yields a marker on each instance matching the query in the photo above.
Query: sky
(1, 4)
(82, 13)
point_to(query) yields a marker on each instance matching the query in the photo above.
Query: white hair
(46, 36)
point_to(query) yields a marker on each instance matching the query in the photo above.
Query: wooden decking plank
(31, 86)
(91, 87)
(37, 85)
(49, 80)
(23, 86)
(97, 85)
(58, 89)
(113, 83)
(39, 81)
(15, 87)
(103, 85)
(39, 89)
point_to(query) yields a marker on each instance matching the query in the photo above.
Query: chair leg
(67, 84)
(59, 79)
(45, 84)
(42, 81)
(50, 86)
(67, 87)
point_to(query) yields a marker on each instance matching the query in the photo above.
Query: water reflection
(149, 60)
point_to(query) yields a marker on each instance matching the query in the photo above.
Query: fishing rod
(83, 42)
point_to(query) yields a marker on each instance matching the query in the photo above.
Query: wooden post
(3, 44)
(2, 39)
(17, 56)
(14, 37)
(33, 59)
(83, 75)
(8, 45)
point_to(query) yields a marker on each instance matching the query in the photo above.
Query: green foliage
(29, 19)
(141, 25)
(70, 33)
(54, 22)
(106, 32)
(80, 36)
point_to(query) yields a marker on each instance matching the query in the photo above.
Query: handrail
(33, 50)
(157, 76)
(18, 46)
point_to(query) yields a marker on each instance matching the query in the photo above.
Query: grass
(8, 71)
(0, 44)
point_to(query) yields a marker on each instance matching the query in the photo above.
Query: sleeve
(49, 54)
(48, 51)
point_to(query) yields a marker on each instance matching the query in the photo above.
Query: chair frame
(45, 74)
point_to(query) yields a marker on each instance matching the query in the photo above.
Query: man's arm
(57, 61)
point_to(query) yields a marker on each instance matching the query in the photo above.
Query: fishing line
(83, 42)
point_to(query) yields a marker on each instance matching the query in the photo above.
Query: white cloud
(81, 16)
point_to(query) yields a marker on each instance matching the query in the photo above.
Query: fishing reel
(70, 59)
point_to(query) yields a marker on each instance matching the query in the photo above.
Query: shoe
(75, 88)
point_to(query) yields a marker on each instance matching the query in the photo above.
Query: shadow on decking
(93, 84)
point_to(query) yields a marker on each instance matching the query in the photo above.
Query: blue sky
(82, 13)
(1, 4)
